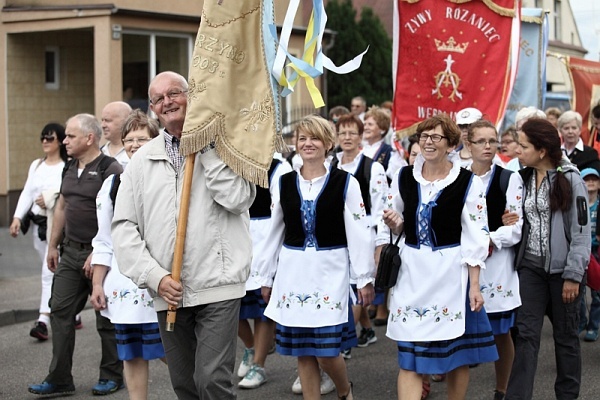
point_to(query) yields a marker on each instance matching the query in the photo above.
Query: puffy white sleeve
(378, 191)
(266, 261)
(358, 235)
(26, 198)
(475, 237)
(507, 236)
(102, 242)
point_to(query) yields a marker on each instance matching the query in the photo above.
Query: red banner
(453, 54)
(585, 76)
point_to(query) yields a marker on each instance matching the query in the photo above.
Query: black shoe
(367, 337)
(39, 331)
(498, 395)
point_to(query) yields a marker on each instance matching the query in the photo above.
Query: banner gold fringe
(505, 12)
(213, 131)
(532, 20)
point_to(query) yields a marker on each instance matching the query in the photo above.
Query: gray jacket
(569, 243)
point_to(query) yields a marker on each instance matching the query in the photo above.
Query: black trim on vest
(330, 229)
(445, 216)
(261, 207)
(496, 200)
(363, 176)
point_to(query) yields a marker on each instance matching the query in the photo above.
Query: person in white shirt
(41, 189)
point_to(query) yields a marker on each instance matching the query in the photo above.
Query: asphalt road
(24, 360)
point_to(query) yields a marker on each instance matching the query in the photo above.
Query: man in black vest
(75, 225)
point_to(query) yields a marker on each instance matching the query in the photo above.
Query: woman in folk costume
(499, 281)
(436, 304)
(257, 344)
(374, 188)
(116, 297)
(319, 237)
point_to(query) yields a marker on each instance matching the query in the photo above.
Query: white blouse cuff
(473, 262)
(364, 281)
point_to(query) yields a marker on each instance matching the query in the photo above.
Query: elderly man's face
(168, 101)
(357, 107)
(112, 122)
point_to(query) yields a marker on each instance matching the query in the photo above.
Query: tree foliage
(373, 80)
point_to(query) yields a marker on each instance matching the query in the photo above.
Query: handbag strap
(397, 240)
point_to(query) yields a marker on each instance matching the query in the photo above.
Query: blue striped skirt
(139, 341)
(253, 306)
(501, 322)
(475, 346)
(326, 341)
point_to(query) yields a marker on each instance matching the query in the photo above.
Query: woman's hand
(366, 295)
(475, 298)
(14, 227)
(570, 291)
(266, 293)
(40, 202)
(393, 220)
(509, 218)
(98, 299)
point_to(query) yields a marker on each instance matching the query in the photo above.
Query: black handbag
(389, 264)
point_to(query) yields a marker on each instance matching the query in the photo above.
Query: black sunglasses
(48, 139)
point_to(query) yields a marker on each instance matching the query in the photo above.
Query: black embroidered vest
(330, 231)
(445, 216)
(261, 208)
(363, 176)
(495, 200)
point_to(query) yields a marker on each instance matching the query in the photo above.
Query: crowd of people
(496, 231)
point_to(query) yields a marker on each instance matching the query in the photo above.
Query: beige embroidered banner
(231, 100)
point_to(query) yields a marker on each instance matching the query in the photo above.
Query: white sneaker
(297, 386)
(327, 385)
(254, 378)
(246, 363)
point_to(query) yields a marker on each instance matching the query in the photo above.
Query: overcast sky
(587, 15)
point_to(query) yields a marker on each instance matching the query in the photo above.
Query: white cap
(467, 116)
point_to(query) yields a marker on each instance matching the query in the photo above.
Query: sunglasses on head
(47, 138)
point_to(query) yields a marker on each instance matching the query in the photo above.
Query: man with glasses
(358, 107)
(75, 215)
(113, 117)
(200, 351)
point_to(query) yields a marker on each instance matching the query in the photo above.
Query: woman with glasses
(436, 304)
(374, 189)
(36, 202)
(499, 281)
(117, 298)
(319, 238)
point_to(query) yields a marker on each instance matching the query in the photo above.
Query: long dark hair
(543, 136)
(54, 127)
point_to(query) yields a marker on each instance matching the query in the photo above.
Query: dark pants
(541, 293)
(70, 291)
(201, 350)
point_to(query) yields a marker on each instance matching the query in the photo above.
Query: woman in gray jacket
(553, 256)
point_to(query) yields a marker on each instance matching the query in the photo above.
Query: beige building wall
(91, 67)
(31, 105)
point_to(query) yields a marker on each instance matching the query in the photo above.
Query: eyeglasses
(506, 142)
(173, 94)
(435, 138)
(48, 139)
(137, 140)
(483, 142)
(348, 134)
